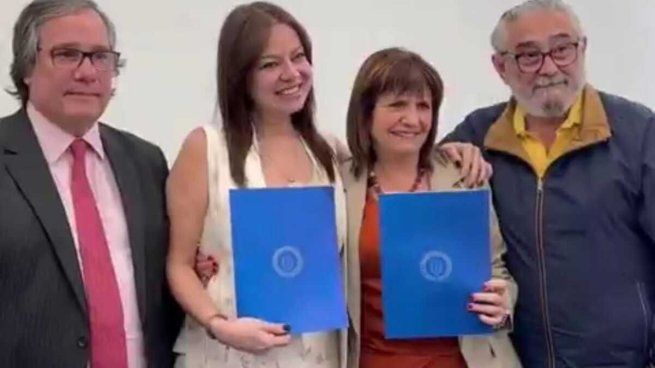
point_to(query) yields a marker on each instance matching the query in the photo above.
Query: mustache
(549, 82)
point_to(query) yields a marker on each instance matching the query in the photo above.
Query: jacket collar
(595, 128)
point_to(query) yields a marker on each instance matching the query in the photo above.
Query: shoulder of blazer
(142, 149)
(444, 173)
(9, 125)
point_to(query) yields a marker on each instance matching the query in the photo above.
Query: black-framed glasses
(531, 61)
(71, 58)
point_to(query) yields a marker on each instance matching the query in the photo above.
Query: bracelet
(208, 324)
(503, 322)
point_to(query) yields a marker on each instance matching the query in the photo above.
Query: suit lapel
(29, 169)
(127, 180)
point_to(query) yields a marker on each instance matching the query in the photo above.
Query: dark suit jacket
(43, 316)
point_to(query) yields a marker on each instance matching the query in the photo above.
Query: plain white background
(168, 86)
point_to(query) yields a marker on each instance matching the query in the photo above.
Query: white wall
(168, 85)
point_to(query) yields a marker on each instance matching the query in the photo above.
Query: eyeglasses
(71, 58)
(532, 61)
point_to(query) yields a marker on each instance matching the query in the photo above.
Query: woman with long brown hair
(266, 138)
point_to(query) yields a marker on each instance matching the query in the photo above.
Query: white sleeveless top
(317, 350)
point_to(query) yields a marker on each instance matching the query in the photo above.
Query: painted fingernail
(469, 306)
(286, 327)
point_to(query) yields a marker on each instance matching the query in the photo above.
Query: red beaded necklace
(375, 184)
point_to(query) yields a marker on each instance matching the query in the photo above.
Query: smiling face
(393, 110)
(71, 96)
(282, 76)
(401, 123)
(552, 89)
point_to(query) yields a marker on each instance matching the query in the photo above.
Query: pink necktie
(108, 347)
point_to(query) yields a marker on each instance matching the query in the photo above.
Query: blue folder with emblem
(286, 257)
(435, 252)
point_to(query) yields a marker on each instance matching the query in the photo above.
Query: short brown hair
(393, 70)
(242, 39)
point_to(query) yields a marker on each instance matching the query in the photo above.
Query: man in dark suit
(83, 225)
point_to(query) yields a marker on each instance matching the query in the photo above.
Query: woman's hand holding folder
(249, 334)
(492, 304)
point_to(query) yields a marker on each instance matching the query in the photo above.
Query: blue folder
(435, 254)
(286, 257)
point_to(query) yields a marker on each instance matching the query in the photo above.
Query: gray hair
(498, 35)
(26, 36)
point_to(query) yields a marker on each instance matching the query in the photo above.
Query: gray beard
(549, 109)
(553, 109)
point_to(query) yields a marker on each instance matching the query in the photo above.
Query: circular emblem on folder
(287, 262)
(436, 266)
